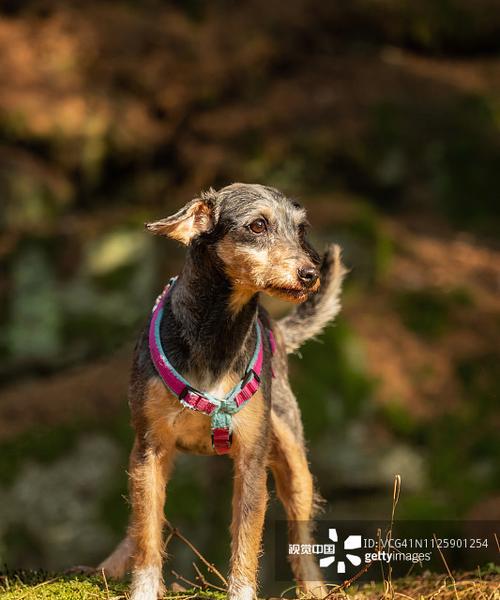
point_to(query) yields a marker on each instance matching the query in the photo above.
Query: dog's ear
(190, 221)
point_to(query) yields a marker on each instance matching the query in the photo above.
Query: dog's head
(257, 235)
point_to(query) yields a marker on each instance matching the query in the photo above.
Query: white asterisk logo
(352, 542)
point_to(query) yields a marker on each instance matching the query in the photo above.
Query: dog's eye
(258, 226)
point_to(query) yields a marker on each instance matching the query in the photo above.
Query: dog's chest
(169, 421)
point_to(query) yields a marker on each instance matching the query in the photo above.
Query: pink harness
(220, 411)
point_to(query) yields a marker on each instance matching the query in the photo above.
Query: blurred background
(381, 116)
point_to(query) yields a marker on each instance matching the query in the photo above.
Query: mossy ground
(466, 586)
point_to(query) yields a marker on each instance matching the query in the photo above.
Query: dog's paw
(239, 590)
(147, 584)
(314, 589)
(81, 570)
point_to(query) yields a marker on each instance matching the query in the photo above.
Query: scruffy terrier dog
(210, 377)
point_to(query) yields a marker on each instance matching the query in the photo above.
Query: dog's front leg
(249, 507)
(149, 468)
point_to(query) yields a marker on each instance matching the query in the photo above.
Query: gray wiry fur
(243, 240)
(311, 317)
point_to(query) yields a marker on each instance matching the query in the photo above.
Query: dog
(210, 377)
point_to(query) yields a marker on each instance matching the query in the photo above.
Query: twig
(204, 582)
(211, 568)
(167, 542)
(182, 578)
(354, 578)
(199, 576)
(348, 582)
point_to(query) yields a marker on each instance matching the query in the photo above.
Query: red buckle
(253, 386)
(250, 385)
(196, 400)
(222, 439)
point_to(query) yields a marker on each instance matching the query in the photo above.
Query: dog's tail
(311, 317)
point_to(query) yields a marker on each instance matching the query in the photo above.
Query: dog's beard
(294, 295)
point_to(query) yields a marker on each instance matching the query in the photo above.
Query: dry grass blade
(396, 493)
(105, 583)
(446, 566)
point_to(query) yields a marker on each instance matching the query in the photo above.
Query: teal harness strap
(221, 417)
(220, 411)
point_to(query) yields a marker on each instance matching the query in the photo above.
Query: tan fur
(239, 297)
(282, 265)
(252, 270)
(148, 477)
(249, 486)
(247, 424)
(190, 430)
(183, 226)
(294, 486)
(246, 526)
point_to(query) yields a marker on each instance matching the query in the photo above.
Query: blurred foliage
(382, 117)
(329, 407)
(428, 312)
(433, 160)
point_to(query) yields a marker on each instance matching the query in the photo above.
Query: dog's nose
(308, 275)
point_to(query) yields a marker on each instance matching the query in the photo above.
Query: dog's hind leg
(294, 486)
(120, 560)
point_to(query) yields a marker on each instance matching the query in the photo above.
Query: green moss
(46, 586)
(42, 586)
(36, 585)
